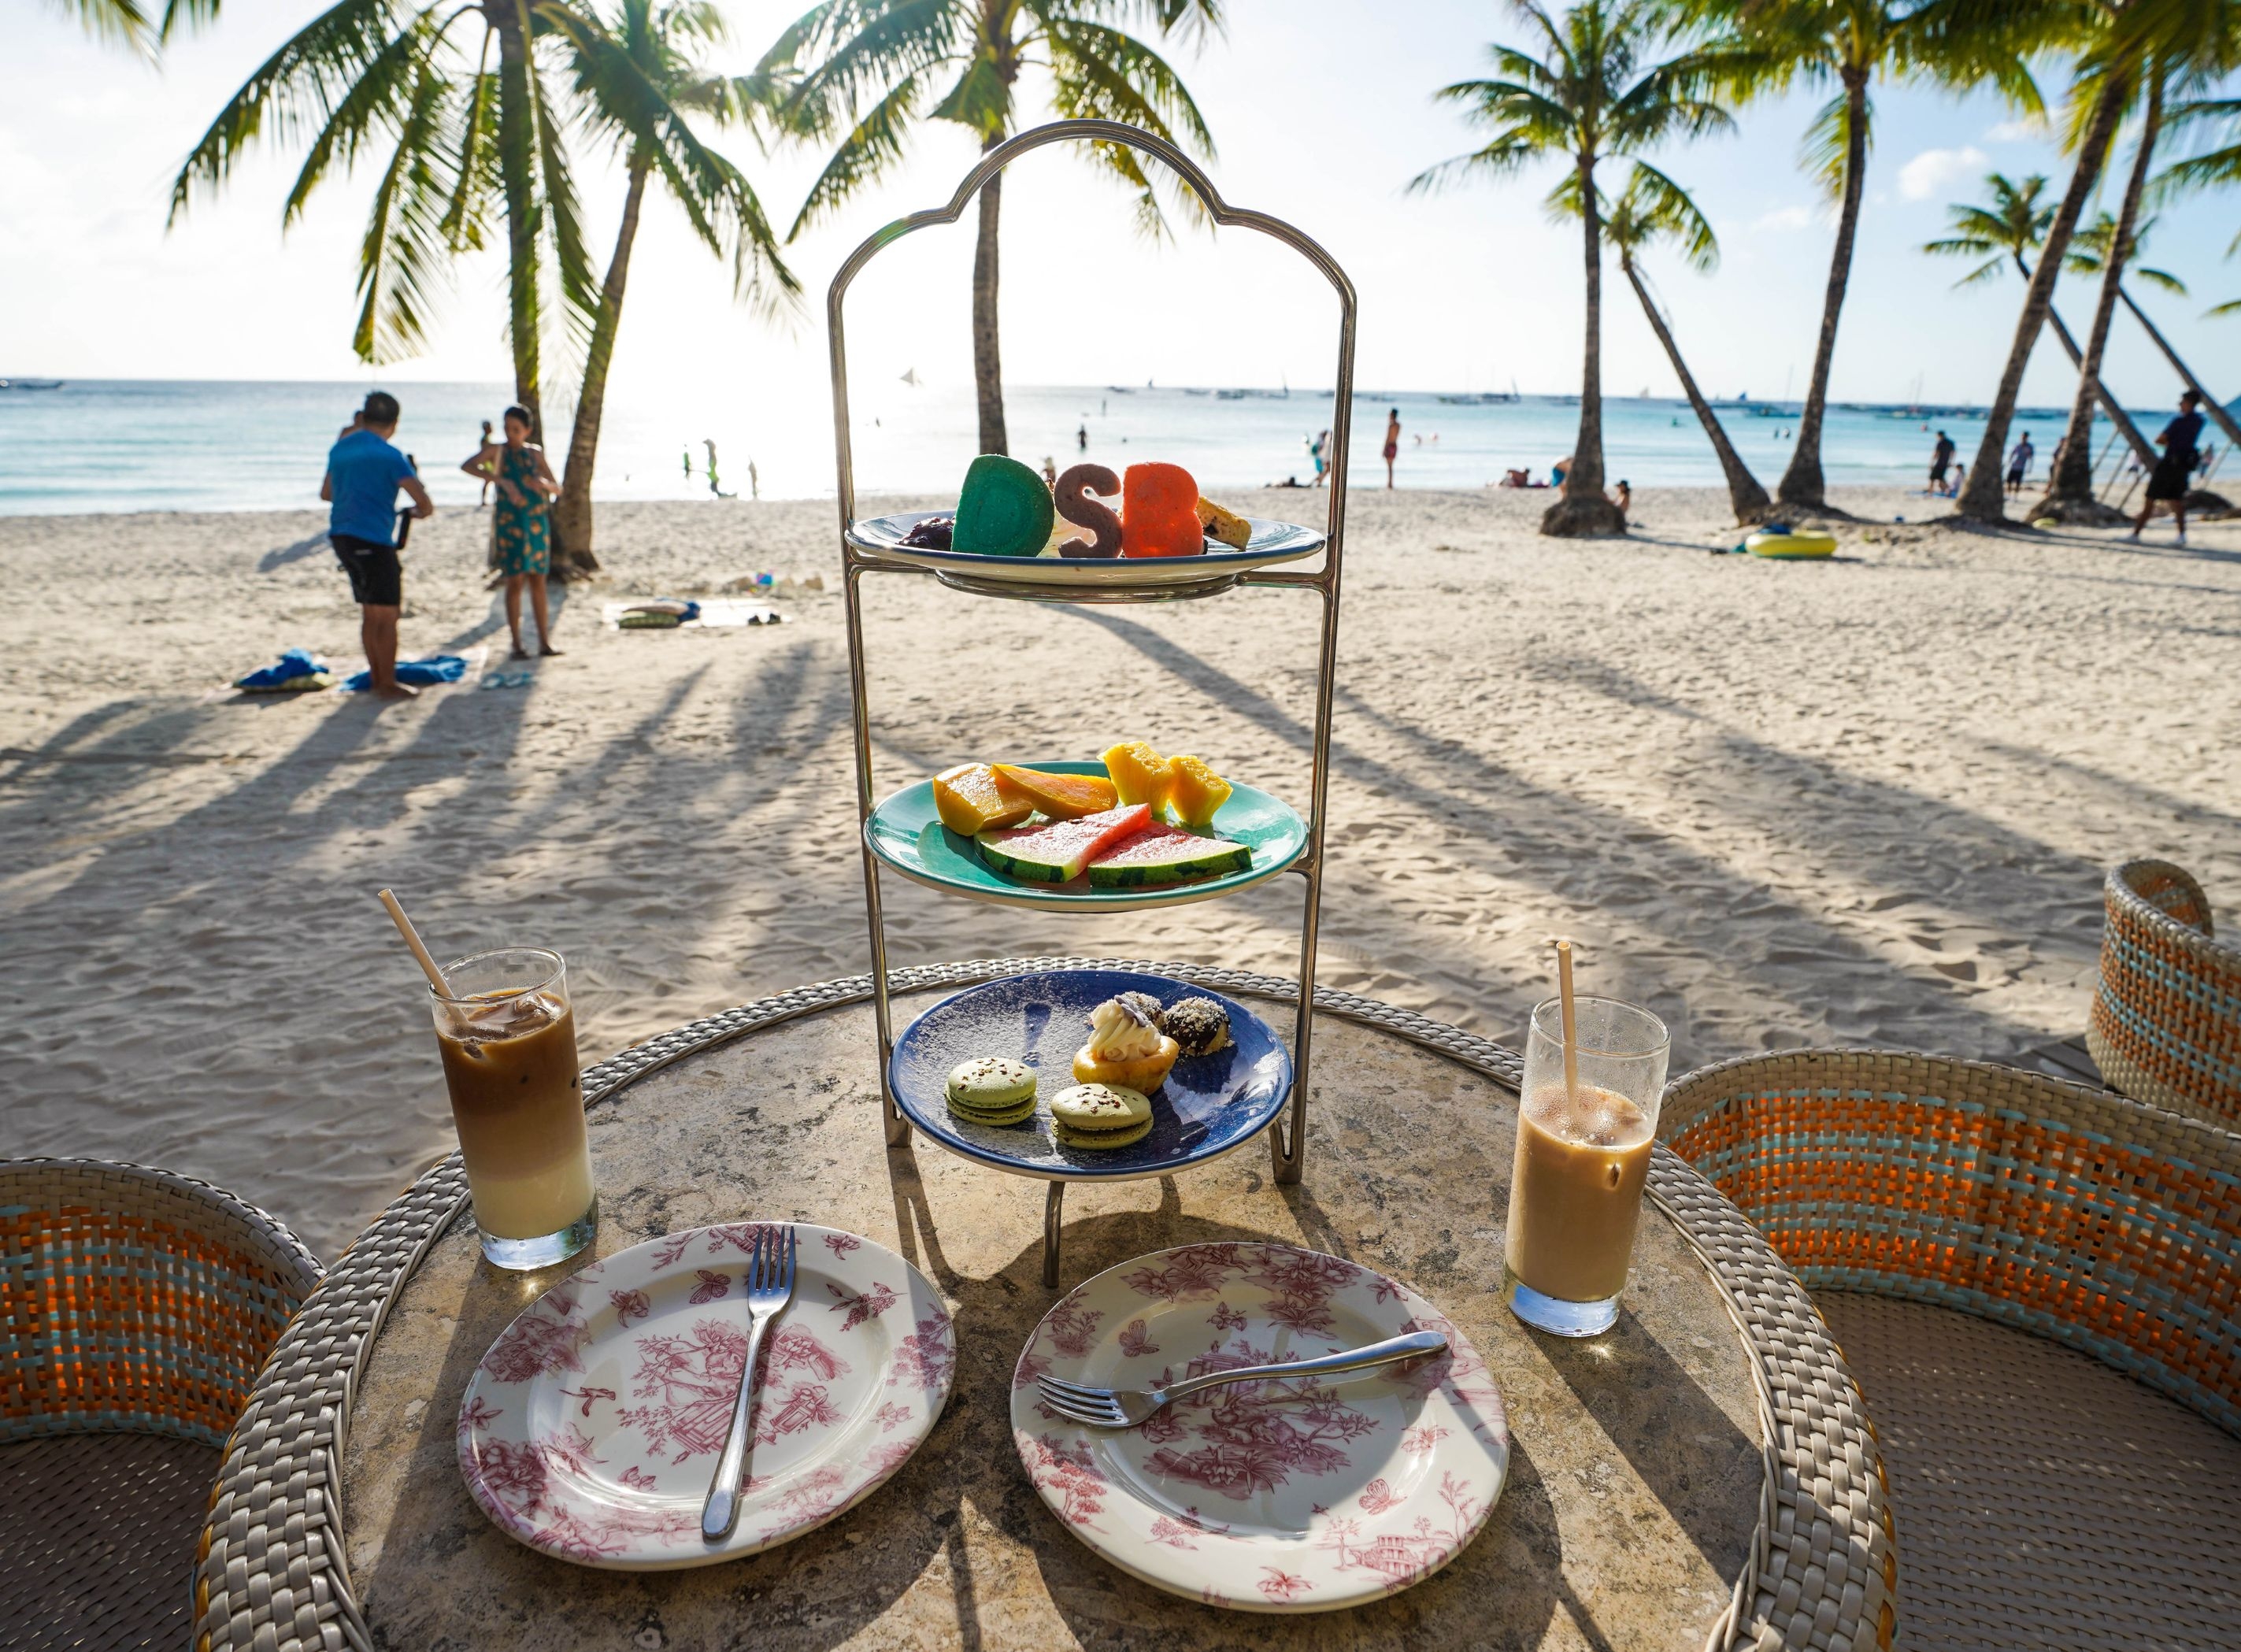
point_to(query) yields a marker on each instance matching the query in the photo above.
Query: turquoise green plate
(906, 833)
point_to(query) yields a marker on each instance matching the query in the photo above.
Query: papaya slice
(1062, 797)
(970, 802)
(1197, 793)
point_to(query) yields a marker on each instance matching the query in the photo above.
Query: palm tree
(1846, 45)
(875, 66)
(1592, 100)
(463, 138)
(2070, 496)
(2098, 102)
(464, 142)
(639, 73)
(2214, 167)
(2003, 233)
(1653, 209)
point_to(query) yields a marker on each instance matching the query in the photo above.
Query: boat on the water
(31, 383)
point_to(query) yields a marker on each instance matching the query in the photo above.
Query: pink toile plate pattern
(591, 1425)
(1266, 1496)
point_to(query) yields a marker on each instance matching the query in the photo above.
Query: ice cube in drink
(1575, 1191)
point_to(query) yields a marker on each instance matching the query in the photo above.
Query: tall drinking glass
(508, 1038)
(1582, 1157)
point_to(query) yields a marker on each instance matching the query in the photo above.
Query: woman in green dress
(519, 523)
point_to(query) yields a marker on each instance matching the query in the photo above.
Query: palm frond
(875, 145)
(861, 50)
(377, 103)
(1119, 77)
(2163, 279)
(306, 80)
(1826, 150)
(405, 252)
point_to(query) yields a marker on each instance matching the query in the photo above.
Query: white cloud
(1934, 169)
(2026, 131)
(1784, 218)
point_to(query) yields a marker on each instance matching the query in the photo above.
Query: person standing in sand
(2174, 471)
(1940, 459)
(1392, 445)
(2019, 463)
(488, 445)
(363, 473)
(522, 530)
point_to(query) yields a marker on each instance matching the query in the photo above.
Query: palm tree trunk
(2210, 404)
(1983, 497)
(2110, 405)
(2070, 490)
(1585, 511)
(987, 361)
(571, 512)
(516, 149)
(1744, 493)
(1802, 484)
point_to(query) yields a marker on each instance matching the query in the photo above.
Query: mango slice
(1062, 797)
(1140, 774)
(970, 802)
(1196, 793)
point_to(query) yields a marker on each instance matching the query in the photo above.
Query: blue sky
(1321, 110)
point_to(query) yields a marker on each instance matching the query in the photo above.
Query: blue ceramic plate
(1209, 1105)
(906, 833)
(1270, 543)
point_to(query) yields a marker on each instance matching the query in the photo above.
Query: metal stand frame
(1288, 1137)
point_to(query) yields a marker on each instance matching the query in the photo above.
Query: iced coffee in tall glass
(508, 1038)
(1582, 1156)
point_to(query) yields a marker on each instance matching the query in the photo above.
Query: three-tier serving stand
(861, 554)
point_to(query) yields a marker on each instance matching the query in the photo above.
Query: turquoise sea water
(156, 445)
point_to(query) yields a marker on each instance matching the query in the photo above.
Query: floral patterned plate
(1266, 1496)
(592, 1424)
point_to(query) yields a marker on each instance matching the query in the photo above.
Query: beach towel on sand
(419, 673)
(296, 671)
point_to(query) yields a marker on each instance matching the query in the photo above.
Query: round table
(1703, 1475)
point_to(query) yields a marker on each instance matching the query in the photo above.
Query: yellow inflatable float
(1810, 545)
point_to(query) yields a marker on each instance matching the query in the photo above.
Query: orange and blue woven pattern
(2088, 1219)
(135, 1299)
(2166, 1022)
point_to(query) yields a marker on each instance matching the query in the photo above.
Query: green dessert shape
(1004, 510)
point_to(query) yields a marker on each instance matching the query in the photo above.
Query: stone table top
(1637, 1469)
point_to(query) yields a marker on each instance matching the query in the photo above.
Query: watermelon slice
(1057, 852)
(1162, 854)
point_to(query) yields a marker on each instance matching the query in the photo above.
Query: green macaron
(992, 1090)
(1099, 1116)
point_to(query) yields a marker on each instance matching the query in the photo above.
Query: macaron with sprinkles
(1099, 1116)
(993, 1090)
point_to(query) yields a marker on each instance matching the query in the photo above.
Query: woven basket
(136, 1299)
(137, 1307)
(2166, 1022)
(2066, 1212)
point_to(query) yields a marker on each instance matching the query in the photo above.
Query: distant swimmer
(1392, 443)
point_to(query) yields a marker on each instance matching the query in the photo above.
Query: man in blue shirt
(363, 472)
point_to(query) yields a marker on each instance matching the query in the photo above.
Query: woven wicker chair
(2166, 1022)
(2039, 1499)
(135, 1308)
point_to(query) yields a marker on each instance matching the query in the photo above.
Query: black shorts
(1938, 472)
(2168, 482)
(376, 576)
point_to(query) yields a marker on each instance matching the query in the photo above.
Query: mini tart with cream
(1126, 1046)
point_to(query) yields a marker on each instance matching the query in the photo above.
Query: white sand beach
(1867, 801)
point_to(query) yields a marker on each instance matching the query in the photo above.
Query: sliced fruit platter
(1014, 526)
(1135, 829)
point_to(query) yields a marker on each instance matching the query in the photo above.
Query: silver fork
(770, 1287)
(1127, 1408)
